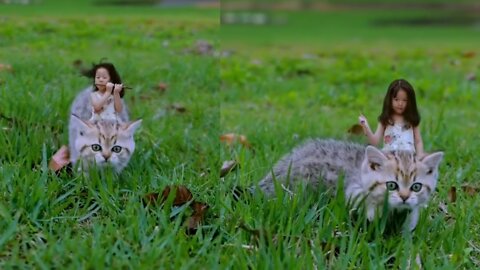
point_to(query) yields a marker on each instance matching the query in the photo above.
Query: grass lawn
(311, 77)
(276, 93)
(63, 222)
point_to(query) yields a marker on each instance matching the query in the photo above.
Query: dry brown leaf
(470, 190)
(150, 198)
(161, 86)
(5, 67)
(469, 54)
(199, 211)
(243, 140)
(356, 129)
(230, 138)
(182, 196)
(77, 63)
(452, 194)
(471, 77)
(227, 167)
(178, 107)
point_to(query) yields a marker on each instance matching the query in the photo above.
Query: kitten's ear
(84, 125)
(374, 157)
(433, 160)
(131, 127)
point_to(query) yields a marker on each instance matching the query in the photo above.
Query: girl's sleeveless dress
(398, 136)
(108, 110)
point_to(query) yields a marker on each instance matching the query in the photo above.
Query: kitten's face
(408, 181)
(105, 143)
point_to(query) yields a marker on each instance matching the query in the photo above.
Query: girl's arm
(373, 138)
(117, 102)
(98, 103)
(418, 141)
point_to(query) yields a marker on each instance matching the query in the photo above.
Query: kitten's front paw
(413, 219)
(370, 213)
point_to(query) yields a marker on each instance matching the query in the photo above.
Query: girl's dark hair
(411, 114)
(114, 76)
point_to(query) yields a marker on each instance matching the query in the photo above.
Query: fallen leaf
(471, 77)
(161, 86)
(5, 67)
(243, 140)
(470, 190)
(199, 211)
(227, 167)
(150, 198)
(230, 138)
(182, 196)
(77, 63)
(452, 194)
(469, 54)
(178, 107)
(356, 129)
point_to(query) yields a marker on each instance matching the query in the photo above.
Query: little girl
(107, 92)
(399, 121)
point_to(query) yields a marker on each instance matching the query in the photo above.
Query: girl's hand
(109, 87)
(362, 120)
(118, 88)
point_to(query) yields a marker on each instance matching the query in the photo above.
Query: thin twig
(315, 262)
(287, 190)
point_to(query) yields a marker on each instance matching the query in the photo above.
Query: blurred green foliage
(127, 2)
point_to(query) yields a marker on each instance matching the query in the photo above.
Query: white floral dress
(398, 136)
(108, 110)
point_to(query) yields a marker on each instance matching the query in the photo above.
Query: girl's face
(399, 102)
(102, 77)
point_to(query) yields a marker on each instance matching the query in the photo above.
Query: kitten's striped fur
(368, 172)
(103, 143)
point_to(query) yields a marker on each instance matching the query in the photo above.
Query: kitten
(103, 143)
(368, 174)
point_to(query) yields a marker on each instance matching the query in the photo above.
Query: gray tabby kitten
(103, 143)
(368, 174)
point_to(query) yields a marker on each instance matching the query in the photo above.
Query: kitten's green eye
(416, 187)
(96, 147)
(392, 186)
(116, 149)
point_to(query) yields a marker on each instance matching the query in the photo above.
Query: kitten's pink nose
(404, 197)
(106, 156)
